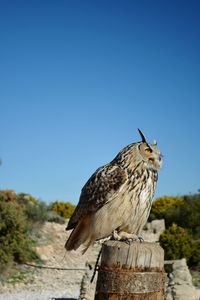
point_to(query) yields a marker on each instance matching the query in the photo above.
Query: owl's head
(150, 153)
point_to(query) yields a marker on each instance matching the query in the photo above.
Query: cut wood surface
(132, 271)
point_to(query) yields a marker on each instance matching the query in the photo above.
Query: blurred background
(79, 77)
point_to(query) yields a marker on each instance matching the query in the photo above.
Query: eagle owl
(116, 200)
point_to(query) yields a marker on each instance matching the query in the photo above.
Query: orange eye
(148, 150)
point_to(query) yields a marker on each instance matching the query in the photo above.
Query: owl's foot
(126, 237)
(134, 239)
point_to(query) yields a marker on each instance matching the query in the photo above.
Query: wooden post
(131, 272)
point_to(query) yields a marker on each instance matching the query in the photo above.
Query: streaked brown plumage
(117, 197)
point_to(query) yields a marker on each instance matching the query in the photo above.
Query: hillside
(44, 283)
(54, 280)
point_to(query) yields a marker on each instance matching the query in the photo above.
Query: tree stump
(131, 272)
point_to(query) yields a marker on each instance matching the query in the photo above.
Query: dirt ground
(50, 283)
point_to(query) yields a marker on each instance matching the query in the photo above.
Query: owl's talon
(129, 241)
(128, 238)
(115, 236)
(140, 238)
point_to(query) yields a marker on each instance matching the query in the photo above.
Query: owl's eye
(148, 151)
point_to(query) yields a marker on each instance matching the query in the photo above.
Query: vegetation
(194, 260)
(21, 216)
(177, 243)
(36, 212)
(16, 246)
(165, 206)
(64, 209)
(54, 217)
(182, 219)
(189, 215)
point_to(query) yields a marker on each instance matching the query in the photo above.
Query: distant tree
(55, 217)
(23, 198)
(16, 246)
(176, 243)
(64, 209)
(8, 195)
(189, 215)
(194, 260)
(36, 212)
(183, 211)
(164, 205)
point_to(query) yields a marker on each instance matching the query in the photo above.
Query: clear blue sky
(78, 77)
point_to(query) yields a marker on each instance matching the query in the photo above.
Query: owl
(117, 198)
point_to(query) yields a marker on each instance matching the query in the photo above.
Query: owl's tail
(81, 235)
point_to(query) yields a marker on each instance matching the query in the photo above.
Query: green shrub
(64, 209)
(194, 260)
(163, 206)
(8, 195)
(176, 243)
(15, 244)
(36, 211)
(184, 211)
(54, 217)
(23, 198)
(189, 216)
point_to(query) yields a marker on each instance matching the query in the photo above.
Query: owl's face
(151, 155)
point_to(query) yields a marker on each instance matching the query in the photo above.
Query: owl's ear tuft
(154, 142)
(142, 136)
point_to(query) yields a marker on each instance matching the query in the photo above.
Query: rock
(158, 226)
(180, 263)
(180, 285)
(185, 292)
(168, 296)
(153, 230)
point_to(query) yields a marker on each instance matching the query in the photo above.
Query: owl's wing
(97, 191)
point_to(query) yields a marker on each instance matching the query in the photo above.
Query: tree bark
(131, 272)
